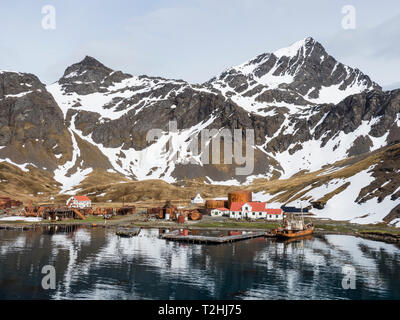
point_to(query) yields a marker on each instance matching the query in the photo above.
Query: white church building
(198, 199)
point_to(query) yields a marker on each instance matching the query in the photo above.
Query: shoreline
(376, 232)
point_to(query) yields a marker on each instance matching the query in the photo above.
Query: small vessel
(128, 232)
(293, 226)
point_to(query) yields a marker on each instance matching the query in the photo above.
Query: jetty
(176, 236)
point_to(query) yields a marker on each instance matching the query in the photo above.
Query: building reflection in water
(96, 264)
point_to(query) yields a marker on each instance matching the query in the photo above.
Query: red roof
(222, 209)
(258, 206)
(274, 211)
(82, 198)
(255, 206)
(237, 206)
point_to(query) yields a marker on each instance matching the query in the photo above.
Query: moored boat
(288, 234)
(293, 226)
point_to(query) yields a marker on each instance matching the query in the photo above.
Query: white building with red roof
(219, 212)
(79, 202)
(254, 210)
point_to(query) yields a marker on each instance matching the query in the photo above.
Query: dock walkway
(175, 236)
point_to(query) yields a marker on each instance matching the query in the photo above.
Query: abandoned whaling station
(238, 205)
(76, 207)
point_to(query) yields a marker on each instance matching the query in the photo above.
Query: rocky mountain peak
(92, 62)
(301, 74)
(303, 47)
(88, 75)
(89, 69)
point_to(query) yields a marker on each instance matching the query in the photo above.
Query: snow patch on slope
(115, 95)
(63, 175)
(154, 161)
(312, 156)
(334, 94)
(23, 167)
(341, 206)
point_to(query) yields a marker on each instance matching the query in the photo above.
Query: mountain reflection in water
(97, 264)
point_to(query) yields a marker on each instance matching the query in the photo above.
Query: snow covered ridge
(118, 99)
(9, 71)
(291, 70)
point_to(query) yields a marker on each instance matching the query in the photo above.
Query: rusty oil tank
(214, 204)
(195, 215)
(239, 196)
(181, 218)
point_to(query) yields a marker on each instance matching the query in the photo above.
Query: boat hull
(128, 233)
(287, 234)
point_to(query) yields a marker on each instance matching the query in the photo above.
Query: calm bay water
(96, 264)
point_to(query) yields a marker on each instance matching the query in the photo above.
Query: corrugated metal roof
(82, 198)
(237, 206)
(274, 211)
(255, 206)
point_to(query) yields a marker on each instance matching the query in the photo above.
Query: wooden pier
(175, 236)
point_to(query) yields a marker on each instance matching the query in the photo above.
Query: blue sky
(192, 39)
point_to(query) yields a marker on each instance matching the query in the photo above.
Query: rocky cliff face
(307, 110)
(32, 129)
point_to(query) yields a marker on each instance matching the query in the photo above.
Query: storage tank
(181, 218)
(214, 204)
(239, 196)
(211, 204)
(195, 215)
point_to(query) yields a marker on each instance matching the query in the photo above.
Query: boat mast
(302, 216)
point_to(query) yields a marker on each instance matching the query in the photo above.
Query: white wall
(79, 204)
(254, 215)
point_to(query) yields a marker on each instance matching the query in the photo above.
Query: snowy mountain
(284, 96)
(307, 110)
(300, 75)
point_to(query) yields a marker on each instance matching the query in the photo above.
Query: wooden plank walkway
(174, 236)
